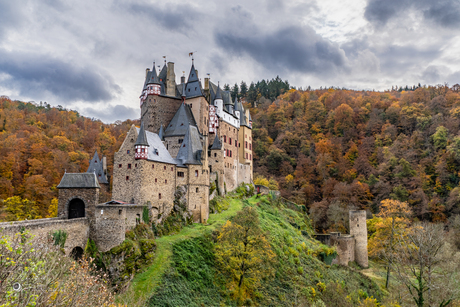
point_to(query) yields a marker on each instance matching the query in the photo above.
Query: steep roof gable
(181, 120)
(95, 166)
(217, 144)
(141, 137)
(191, 149)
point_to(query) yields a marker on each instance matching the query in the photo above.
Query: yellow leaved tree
(392, 221)
(244, 254)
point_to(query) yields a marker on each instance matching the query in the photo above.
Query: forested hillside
(334, 150)
(38, 143)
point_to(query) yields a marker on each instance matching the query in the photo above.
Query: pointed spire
(142, 137)
(217, 144)
(218, 93)
(161, 133)
(192, 77)
(153, 78)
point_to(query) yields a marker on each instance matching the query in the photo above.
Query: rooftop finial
(164, 57)
(191, 55)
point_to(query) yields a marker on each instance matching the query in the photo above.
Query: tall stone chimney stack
(171, 80)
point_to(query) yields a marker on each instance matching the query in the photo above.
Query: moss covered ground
(185, 273)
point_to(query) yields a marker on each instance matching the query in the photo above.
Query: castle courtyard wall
(157, 111)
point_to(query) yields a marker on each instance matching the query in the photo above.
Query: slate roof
(161, 133)
(191, 150)
(141, 137)
(152, 77)
(157, 151)
(95, 166)
(78, 180)
(218, 93)
(181, 120)
(226, 97)
(193, 85)
(217, 144)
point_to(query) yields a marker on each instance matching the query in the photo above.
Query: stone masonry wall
(230, 163)
(112, 221)
(172, 145)
(358, 229)
(77, 230)
(345, 248)
(124, 190)
(198, 192)
(200, 110)
(157, 111)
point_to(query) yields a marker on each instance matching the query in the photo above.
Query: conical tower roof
(142, 138)
(218, 93)
(190, 150)
(181, 120)
(152, 76)
(217, 144)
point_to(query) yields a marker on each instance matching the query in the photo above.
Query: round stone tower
(358, 229)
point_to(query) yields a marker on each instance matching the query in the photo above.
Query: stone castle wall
(77, 230)
(157, 111)
(358, 229)
(345, 246)
(112, 221)
(200, 110)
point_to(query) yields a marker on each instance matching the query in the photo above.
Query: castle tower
(141, 146)
(159, 100)
(358, 229)
(78, 198)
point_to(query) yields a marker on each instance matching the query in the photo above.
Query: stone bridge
(77, 231)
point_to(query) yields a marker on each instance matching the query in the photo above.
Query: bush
(218, 204)
(46, 276)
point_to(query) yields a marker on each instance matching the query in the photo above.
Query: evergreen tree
(235, 91)
(243, 89)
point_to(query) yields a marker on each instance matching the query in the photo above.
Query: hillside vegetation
(333, 150)
(189, 271)
(38, 143)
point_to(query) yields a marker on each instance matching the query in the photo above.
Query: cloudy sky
(91, 56)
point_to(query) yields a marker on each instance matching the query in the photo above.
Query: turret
(141, 145)
(152, 85)
(218, 101)
(237, 108)
(358, 229)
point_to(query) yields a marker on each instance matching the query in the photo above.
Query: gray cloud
(295, 49)
(37, 75)
(171, 16)
(445, 13)
(10, 16)
(111, 113)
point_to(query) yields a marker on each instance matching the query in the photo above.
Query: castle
(191, 137)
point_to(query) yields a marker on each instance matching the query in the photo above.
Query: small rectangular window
(215, 155)
(180, 141)
(225, 139)
(129, 165)
(135, 165)
(159, 196)
(153, 165)
(127, 177)
(172, 169)
(166, 180)
(230, 141)
(180, 174)
(155, 180)
(127, 152)
(119, 165)
(197, 190)
(196, 173)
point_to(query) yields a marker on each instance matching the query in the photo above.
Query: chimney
(182, 79)
(196, 70)
(171, 80)
(104, 164)
(147, 72)
(206, 83)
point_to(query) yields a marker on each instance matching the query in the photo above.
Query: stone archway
(76, 208)
(76, 253)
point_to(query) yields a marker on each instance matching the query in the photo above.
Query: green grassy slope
(184, 272)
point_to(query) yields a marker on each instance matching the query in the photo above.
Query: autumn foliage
(334, 150)
(38, 143)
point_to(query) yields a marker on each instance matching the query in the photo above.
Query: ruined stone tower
(358, 229)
